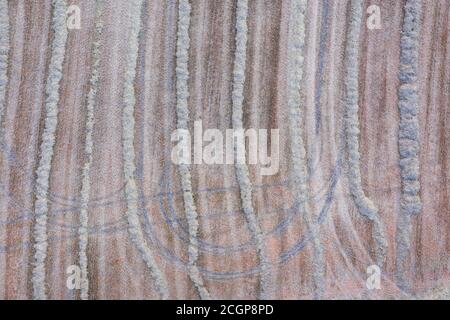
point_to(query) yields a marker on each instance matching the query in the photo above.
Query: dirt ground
(229, 261)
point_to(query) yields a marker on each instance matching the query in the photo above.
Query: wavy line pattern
(365, 206)
(408, 135)
(46, 150)
(129, 168)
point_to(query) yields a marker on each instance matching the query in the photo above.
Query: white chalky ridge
(47, 145)
(299, 162)
(83, 233)
(363, 203)
(182, 110)
(4, 54)
(128, 124)
(242, 172)
(408, 136)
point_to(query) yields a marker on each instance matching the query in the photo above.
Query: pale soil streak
(55, 73)
(69, 155)
(430, 247)
(29, 41)
(107, 167)
(83, 230)
(242, 172)
(183, 119)
(4, 55)
(209, 93)
(297, 115)
(129, 165)
(263, 110)
(379, 102)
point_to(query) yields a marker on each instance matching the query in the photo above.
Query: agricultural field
(235, 149)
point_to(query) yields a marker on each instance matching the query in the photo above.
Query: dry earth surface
(281, 259)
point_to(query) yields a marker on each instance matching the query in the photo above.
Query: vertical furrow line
(242, 172)
(365, 206)
(83, 230)
(129, 167)
(46, 150)
(409, 136)
(4, 57)
(182, 110)
(296, 117)
(322, 58)
(4, 54)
